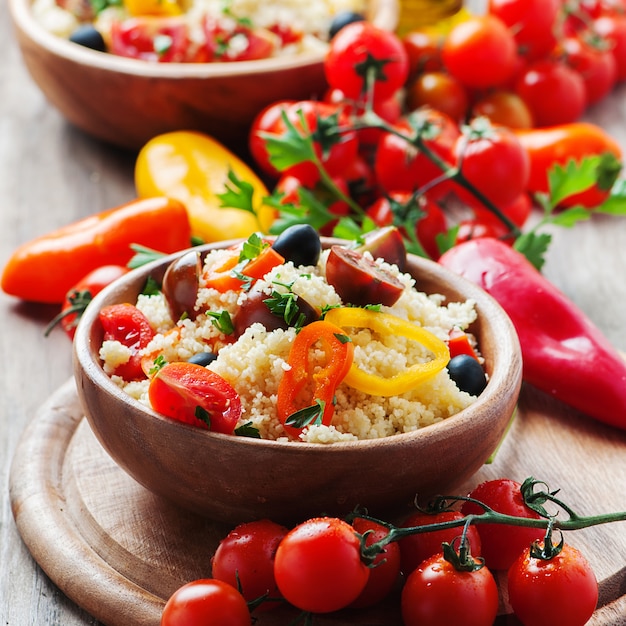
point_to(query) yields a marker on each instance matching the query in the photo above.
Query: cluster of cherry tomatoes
(524, 63)
(323, 565)
(381, 155)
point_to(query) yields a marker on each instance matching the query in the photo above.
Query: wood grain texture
(51, 174)
(119, 551)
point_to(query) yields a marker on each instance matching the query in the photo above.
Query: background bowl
(232, 479)
(126, 102)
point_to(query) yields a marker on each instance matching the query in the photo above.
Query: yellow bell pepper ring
(387, 324)
(194, 168)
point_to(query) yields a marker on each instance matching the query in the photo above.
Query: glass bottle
(416, 14)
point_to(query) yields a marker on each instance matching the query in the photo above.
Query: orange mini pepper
(292, 392)
(46, 268)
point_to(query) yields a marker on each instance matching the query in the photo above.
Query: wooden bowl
(126, 101)
(232, 479)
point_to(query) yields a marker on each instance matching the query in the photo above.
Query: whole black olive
(89, 37)
(203, 358)
(468, 374)
(299, 244)
(343, 18)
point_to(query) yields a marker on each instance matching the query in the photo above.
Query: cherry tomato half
(181, 390)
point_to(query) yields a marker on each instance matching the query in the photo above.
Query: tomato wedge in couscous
(278, 326)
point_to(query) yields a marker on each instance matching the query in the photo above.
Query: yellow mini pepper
(193, 168)
(387, 324)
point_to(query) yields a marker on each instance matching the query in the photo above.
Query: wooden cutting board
(119, 552)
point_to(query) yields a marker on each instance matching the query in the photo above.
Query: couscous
(254, 357)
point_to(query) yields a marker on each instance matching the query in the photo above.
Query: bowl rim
(386, 16)
(506, 332)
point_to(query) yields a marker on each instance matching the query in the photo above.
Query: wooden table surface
(52, 174)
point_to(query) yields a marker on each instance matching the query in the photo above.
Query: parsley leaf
(203, 415)
(222, 321)
(248, 430)
(238, 195)
(310, 415)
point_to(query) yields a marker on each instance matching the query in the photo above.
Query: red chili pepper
(564, 354)
(46, 268)
(292, 397)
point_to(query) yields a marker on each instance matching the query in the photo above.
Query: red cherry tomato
(259, 43)
(400, 166)
(82, 294)
(480, 52)
(501, 544)
(423, 48)
(362, 49)
(517, 211)
(385, 568)
(139, 37)
(128, 325)
(265, 122)
(437, 594)
(532, 22)
(180, 390)
(389, 210)
(562, 590)
(477, 228)
(553, 91)
(415, 549)
(494, 161)
(504, 108)
(440, 91)
(206, 602)
(597, 67)
(318, 565)
(612, 29)
(309, 117)
(245, 559)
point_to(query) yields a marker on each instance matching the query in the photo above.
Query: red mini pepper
(292, 391)
(46, 268)
(564, 354)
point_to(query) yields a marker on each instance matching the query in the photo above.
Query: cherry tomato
(532, 22)
(206, 602)
(388, 210)
(400, 166)
(361, 49)
(562, 590)
(335, 153)
(245, 559)
(150, 38)
(480, 52)
(318, 566)
(359, 281)
(554, 92)
(415, 549)
(259, 42)
(265, 122)
(612, 28)
(178, 390)
(501, 544)
(440, 91)
(423, 48)
(478, 228)
(437, 594)
(494, 161)
(504, 108)
(385, 569)
(82, 294)
(596, 65)
(128, 325)
(517, 211)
